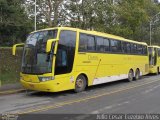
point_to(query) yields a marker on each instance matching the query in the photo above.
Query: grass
(9, 78)
(9, 65)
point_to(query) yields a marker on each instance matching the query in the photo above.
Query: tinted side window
(100, 44)
(133, 48)
(139, 49)
(65, 52)
(91, 43)
(86, 43)
(83, 43)
(124, 47)
(128, 48)
(144, 50)
(115, 46)
(106, 45)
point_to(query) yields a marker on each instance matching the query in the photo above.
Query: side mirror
(49, 44)
(15, 47)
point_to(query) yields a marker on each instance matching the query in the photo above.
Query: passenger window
(83, 43)
(106, 45)
(100, 44)
(134, 48)
(139, 49)
(116, 46)
(91, 43)
(128, 48)
(113, 46)
(124, 47)
(145, 50)
(86, 43)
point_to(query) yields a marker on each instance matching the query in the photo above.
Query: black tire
(80, 84)
(130, 76)
(137, 74)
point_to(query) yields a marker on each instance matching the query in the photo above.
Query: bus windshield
(35, 60)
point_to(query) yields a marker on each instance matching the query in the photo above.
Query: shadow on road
(71, 92)
(88, 89)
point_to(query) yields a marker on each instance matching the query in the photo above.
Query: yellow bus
(64, 58)
(154, 59)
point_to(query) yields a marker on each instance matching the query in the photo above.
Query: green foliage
(9, 65)
(126, 18)
(14, 23)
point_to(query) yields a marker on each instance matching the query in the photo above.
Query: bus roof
(94, 33)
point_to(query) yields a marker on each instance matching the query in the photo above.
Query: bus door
(152, 56)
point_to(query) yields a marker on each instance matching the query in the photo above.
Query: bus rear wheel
(137, 74)
(130, 76)
(80, 84)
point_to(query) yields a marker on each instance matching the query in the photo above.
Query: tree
(14, 23)
(126, 18)
(134, 17)
(47, 11)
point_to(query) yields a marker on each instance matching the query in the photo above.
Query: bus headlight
(43, 79)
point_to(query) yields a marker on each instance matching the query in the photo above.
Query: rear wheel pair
(131, 75)
(81, 81)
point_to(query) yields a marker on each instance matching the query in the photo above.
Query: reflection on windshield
(150, 50)
(35, 59)
(152, 56)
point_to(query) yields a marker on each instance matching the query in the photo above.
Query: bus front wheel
(130, 76)
(80, 84)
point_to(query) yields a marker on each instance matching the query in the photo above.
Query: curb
(11, 89)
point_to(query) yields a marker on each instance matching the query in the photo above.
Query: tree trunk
(50, 13)
(56, 15)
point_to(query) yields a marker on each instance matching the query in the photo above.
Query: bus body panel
(109, 67)
(154, 66)
(97, 67)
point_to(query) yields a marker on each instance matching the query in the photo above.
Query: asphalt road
(142, 96)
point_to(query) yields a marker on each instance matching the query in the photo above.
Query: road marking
(57, 105)
(151, 89)
(109, 107)
(11, 91)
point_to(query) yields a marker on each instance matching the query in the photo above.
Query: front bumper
(48, 86)
(153, 69)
